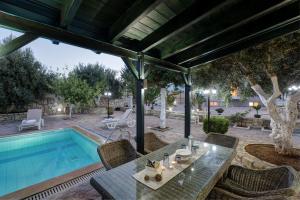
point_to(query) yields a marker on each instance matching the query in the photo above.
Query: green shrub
(217, 125)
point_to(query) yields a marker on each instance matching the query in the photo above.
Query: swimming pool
(29, 159)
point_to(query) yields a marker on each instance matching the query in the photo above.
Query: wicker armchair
(222, 140)
(152, 142)
(116, 153)
(241, 183)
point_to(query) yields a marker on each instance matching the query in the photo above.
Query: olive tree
(158, 80)
(74, 91)
(272, 71)
(162, 78)
(23, 80)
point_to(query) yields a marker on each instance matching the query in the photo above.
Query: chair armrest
(253, 183)
(251, 194)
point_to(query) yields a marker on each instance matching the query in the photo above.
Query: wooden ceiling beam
(16, 44)
(54, 33)
(239, 17)
(68, 12)
(268, 34)
(137, 11)
(273, 19)
(190, 16)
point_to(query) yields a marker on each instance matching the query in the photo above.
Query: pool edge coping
(42, 186)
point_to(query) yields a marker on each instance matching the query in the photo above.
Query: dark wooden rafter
(53, 33)
(193, 14)
(285, 28)
(241, 18)
(239, 33)
(68, 12)
(137, 11)
(16, 44)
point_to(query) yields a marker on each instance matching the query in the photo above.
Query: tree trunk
(283, 119)
(70, 111)
(282, 130)
(163, 96)
(130, 102)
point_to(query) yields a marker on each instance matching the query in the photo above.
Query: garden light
(294, 88)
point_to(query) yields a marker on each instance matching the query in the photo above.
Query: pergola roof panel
(174, 34)
(156, 18)
(230, 15)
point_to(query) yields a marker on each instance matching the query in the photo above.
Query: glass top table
(194, 182)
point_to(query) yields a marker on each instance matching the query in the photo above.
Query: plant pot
(257, 116)
(241, 127)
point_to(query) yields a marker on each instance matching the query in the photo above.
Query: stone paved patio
(93, 123)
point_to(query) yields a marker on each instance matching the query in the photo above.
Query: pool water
(32, 158)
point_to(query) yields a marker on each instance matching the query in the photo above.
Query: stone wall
(12, 117)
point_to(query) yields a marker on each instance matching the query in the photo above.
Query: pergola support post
(138, 72)
(187, 104)
(140, 104)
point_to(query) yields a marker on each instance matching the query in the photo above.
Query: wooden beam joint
(16, 43)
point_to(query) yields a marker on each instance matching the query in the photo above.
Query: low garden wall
(12, 116)
(245, 123)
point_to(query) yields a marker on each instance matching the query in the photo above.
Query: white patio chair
(34, 119)
(123, 120)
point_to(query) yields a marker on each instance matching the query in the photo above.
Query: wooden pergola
(176, 35)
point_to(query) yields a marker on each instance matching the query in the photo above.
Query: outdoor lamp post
(107, 94)
(208, 93)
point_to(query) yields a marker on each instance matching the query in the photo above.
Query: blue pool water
(32, 158)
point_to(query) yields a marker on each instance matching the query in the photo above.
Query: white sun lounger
(34, 119)
(123, 120)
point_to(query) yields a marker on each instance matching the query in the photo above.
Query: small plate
(183, 152)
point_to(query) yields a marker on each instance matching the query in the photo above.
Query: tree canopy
(75, 91)
(24, 80)
(156, 79)
(99, 78)
(255, 65)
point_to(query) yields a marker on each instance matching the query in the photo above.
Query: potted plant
(170, 101)
(219, 110)
(237, 120)
(257, 108)
(198, 100)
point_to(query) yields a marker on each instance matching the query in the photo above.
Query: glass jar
(191, 142)
(166, 162)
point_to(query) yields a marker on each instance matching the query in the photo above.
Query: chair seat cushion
(109, 120)
(29, 122)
